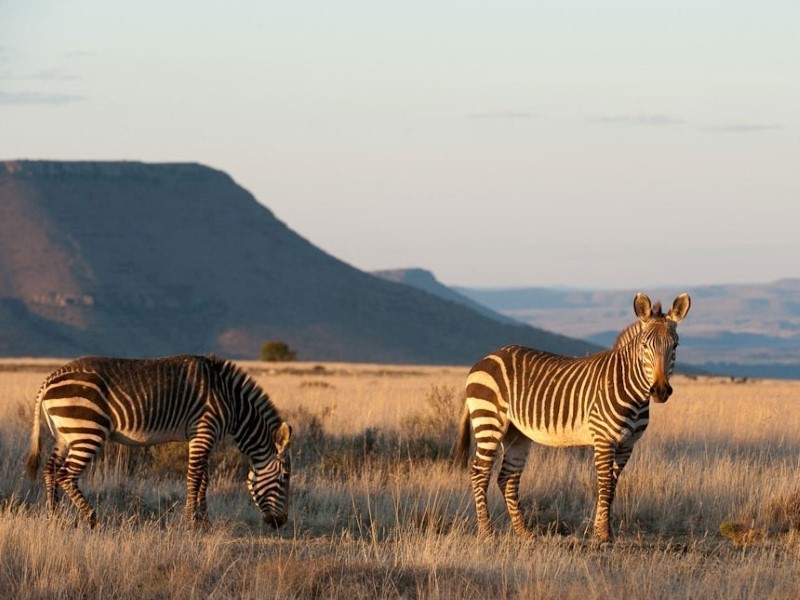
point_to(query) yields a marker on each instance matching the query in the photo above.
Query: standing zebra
(517, 394)
(144, 402)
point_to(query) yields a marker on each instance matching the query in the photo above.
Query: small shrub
(277, 351)
(23, 415)
(347, 455)
(309, 439)
(322, 385)
(434, 427)
(784, 511)
(740, 534)
(170, 460)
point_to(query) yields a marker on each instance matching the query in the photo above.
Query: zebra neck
(254, 433)
(253, 418)
(636, 384)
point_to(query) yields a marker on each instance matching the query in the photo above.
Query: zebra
(518, 394)
(142, 402)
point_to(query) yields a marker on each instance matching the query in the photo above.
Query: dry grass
(709, 505)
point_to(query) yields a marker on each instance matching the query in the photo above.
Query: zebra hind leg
(480, 482)
(487, 443)
(78, 457)
(51, 467)
(489, 423)
(515, 454)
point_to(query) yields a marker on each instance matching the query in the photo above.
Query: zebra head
(657, 340)
(268, 481)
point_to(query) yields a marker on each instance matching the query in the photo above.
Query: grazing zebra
(517, 394)
(144, 402)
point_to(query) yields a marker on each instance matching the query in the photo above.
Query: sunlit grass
(709, 505)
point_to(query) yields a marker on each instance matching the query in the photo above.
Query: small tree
(275, 350)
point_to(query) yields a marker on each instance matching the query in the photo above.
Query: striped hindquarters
(76, 407)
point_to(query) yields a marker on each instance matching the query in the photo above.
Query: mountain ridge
(425, 280)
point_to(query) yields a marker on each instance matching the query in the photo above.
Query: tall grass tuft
(433, 426)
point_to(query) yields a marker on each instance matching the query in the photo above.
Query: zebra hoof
(605, 545)
(525, 534)
(198, 524)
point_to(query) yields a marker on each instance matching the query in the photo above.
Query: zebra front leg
(606, 483)
(621, 457)
(515, 453)
(202, 507)
(199, 449)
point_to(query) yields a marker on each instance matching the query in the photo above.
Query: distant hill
(743, 330)
(134, 259)
(426, 281)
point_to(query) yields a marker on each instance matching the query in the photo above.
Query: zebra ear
(642, 307)
(282, 435)
(679, 308)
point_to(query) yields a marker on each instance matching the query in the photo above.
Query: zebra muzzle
(661, 392)
(276, 521)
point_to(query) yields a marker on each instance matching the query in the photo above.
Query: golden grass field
(708, 507)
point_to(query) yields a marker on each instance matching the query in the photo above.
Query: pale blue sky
(626, 144)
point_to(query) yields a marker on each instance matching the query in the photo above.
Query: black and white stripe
(517, 394)
(144, 402)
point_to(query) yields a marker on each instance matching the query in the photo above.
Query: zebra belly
(580, 436)
(146, 438)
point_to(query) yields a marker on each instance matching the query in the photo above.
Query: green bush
(277, 351)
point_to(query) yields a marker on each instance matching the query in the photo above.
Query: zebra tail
(461, 458)
(32, 464)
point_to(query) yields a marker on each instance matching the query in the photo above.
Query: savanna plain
(708, 506)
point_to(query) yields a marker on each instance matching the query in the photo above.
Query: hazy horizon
(555, 144)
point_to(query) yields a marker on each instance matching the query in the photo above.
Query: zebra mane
(627, 334)
(247, 387)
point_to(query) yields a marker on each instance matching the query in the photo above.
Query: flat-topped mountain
(134, 259)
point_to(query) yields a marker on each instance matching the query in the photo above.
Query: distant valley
(739, 330)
